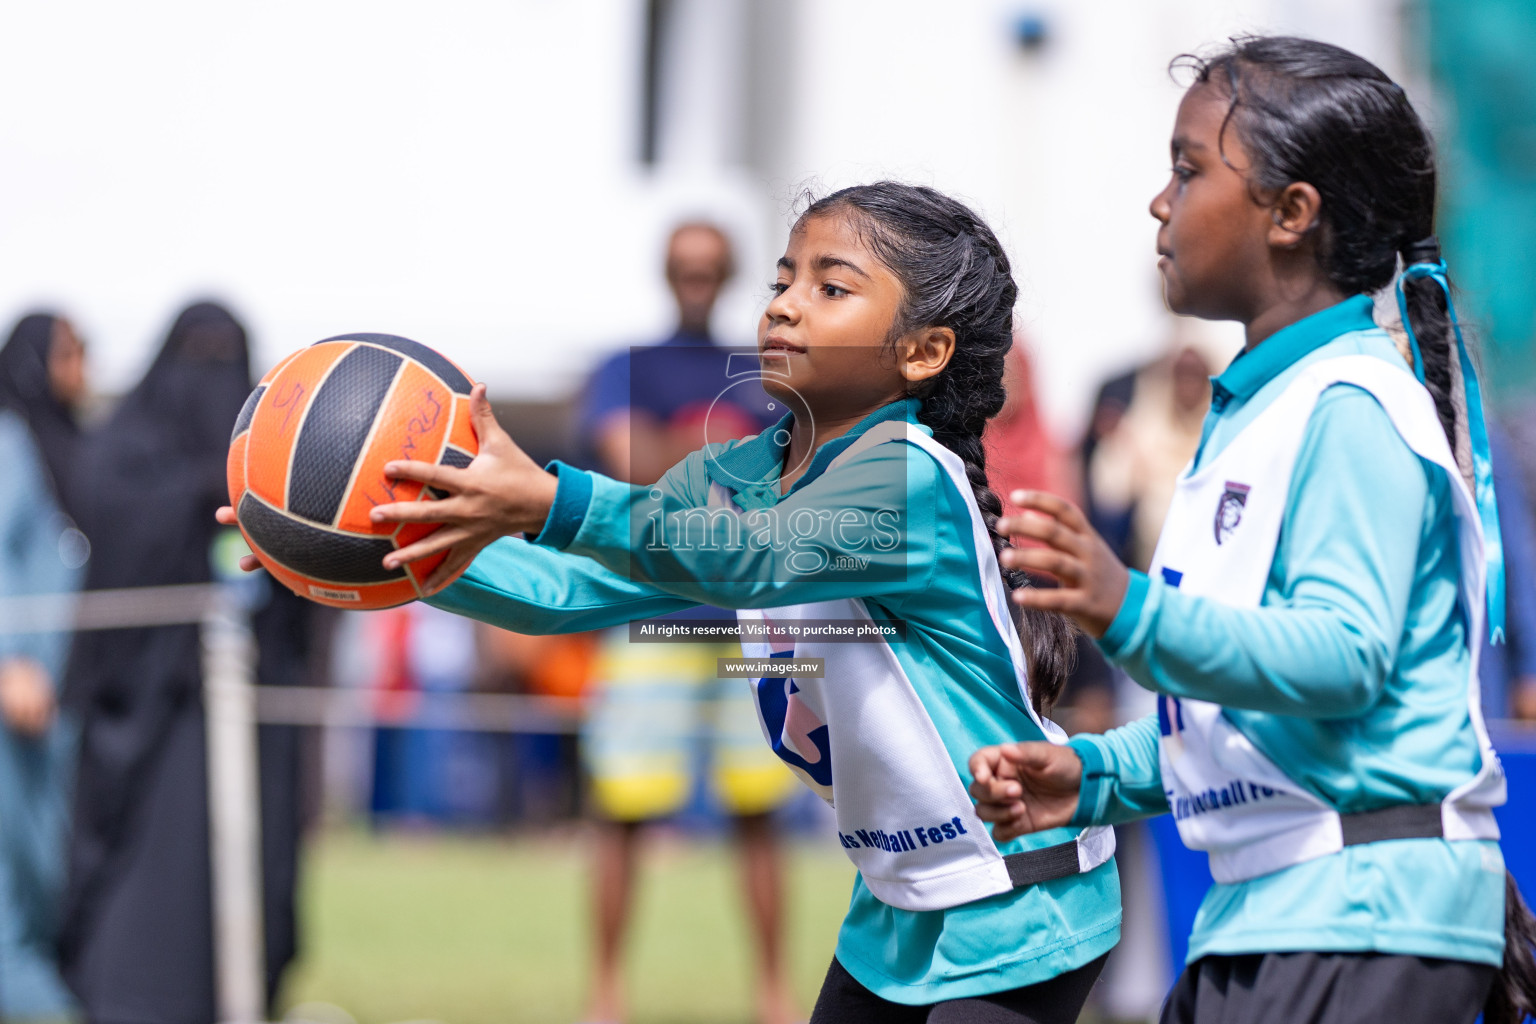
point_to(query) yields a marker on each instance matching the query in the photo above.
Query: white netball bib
(862, 739)
(1219, 541)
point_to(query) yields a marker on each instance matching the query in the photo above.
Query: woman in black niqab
(138, 934)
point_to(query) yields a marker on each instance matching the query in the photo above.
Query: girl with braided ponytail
(1314, 611)
(857, 539)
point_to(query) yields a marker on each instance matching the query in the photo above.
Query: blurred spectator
(137, 942)
(644, 410)
(1109, 405)
(1144, 429)
(1135, 466)
(541, 783)
(1021, 453)
(42, 379)
(288, 630)
(425, 775)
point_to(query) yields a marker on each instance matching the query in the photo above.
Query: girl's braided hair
(955, 274)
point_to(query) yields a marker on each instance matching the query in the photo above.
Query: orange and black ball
(306, 463)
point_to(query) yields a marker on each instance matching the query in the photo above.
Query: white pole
(229, 702)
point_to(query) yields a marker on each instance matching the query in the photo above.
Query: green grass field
(490, 930)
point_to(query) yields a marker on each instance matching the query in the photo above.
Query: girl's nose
(1159, 207)
(783, 308)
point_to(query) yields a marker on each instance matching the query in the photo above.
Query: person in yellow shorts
(659, 703)
(656, 704)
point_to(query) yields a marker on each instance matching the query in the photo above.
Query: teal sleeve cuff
(573, 493)
(1095, 774)
(1115, 638)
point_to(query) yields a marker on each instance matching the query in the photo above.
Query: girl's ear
(925, 353)
(1296, 211)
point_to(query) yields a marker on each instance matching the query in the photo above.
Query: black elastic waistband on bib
(1035, 866)
(1409, 821)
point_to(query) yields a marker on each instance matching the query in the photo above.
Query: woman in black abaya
(137, 944)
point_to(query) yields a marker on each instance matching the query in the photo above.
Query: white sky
(464, 173)
(442, 171)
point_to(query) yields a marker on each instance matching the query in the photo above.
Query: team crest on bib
(1229, 510)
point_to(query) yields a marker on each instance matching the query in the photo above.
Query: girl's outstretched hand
(1093, 581)
(226, 517)
(501, 492)
(1025, 787)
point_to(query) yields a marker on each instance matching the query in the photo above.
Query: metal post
(229, 703)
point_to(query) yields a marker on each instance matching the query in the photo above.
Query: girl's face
(822, 339)
(1213, 238)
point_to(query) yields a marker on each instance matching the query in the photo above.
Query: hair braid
(955, 274)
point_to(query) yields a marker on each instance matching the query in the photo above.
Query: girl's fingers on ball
(431, 544)
(423, 472)
(444, 511)
(481, 418)
(225, 516)
(249, 563)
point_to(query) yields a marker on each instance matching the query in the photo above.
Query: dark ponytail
(1513, 998)
(955, 274)
(1429, 317)
(1308, 111)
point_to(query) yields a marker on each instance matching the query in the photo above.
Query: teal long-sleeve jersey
(887, 526)
(1352, 675)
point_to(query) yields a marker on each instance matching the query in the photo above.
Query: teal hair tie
(1482, 460)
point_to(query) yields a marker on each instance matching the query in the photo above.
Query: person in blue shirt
(653, 705)
(1313, 614)
(863, 512)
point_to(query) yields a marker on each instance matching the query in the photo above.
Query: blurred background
(502, 181)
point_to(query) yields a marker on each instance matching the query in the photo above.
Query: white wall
(465, 173)
(456, 172)
(1061, 148)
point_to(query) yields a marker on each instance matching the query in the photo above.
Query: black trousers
(1057, 1001)
(1328, 988)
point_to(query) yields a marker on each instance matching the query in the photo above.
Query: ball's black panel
(335, 430)
(248, 410)
(323, 556)
(454, 457)
(450, 374)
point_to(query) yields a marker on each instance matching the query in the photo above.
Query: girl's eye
(778, 287)
(833, 291)
(1183, 172)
